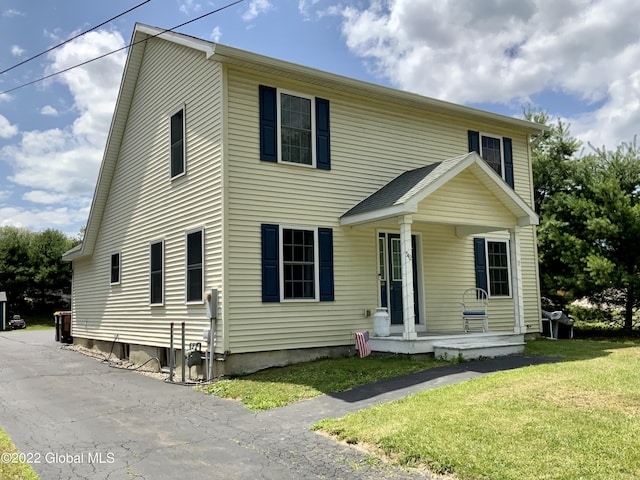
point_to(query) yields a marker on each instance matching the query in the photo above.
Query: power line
(119, 49)
(73, 38)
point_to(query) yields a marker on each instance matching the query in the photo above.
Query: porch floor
(451, 345)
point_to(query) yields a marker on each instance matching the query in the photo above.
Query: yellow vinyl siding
(474, 204)
(371, 143)
(144, 205)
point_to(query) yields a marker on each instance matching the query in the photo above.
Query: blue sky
(577, 59)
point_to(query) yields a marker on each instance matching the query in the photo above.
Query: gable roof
(402, 195)
(230, 55)
(393, 192)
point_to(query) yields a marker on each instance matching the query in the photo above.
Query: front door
(390, 274)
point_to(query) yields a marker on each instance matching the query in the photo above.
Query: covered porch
(468, 200)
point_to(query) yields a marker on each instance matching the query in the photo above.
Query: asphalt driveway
(76, 418)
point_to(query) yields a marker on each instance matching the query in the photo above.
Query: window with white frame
(156, 273)
(498, 268)
(115, 268)
(299, 264)
(195, 265)
(296, 124)
(178, 151)
(497, 151)
(491, 152)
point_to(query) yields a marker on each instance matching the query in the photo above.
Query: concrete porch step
(478, 349)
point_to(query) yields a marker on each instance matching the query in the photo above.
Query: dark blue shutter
(270, 263)
(325, 250)
(268, 124)
(474, 142)
(480, 263)
(508, 161)
(323, 138)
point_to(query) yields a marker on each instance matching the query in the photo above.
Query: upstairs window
(491, 152)
(178, 151)
(115, 268)
(194, 268)
(294, 128)
(496, 151)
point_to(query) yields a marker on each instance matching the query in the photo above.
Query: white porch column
(516, 281)
(408, 317)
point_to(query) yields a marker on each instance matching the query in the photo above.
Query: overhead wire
(73, 38)
(119, 49)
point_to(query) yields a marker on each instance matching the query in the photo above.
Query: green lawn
(578, 419)
(276, 387)
(11, 466)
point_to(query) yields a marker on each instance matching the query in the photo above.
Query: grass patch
(277, 387)
(10, 469)
(577, 419)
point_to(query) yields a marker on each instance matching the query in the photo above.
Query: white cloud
(5, 97)
(305, 6)
(49, 111)
(618, 120)
(12, 13)
(496, 51)
(17, 51)
(189, 6)
(47, 198)
(64, 162)
(216, 34)
(38, 219)
(256, 7)
(6, 129)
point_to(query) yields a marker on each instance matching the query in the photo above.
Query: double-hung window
(297, 263)
(178, 144)
(194, 265)
(491, 152)
(493, 266)
(294, 128)
(299, 259)
(296, 142)
(496, 151)
(498, 268)
(115, 268)
(156, 274)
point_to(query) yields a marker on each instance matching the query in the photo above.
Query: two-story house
(305, 198)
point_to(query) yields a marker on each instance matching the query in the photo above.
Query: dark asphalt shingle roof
(392, 191)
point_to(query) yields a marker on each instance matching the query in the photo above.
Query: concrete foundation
(114, 351)
(140, 354)
(244, 363)
(228, 365)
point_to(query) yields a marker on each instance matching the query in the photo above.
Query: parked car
(17, 322)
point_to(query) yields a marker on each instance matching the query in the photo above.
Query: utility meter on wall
(211, 302)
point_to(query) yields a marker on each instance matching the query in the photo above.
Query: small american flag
(362, 344)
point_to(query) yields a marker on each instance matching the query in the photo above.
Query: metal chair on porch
(475, 303)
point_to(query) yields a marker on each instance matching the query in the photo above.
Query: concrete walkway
(76, 418)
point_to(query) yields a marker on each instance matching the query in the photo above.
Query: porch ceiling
(405, 194)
